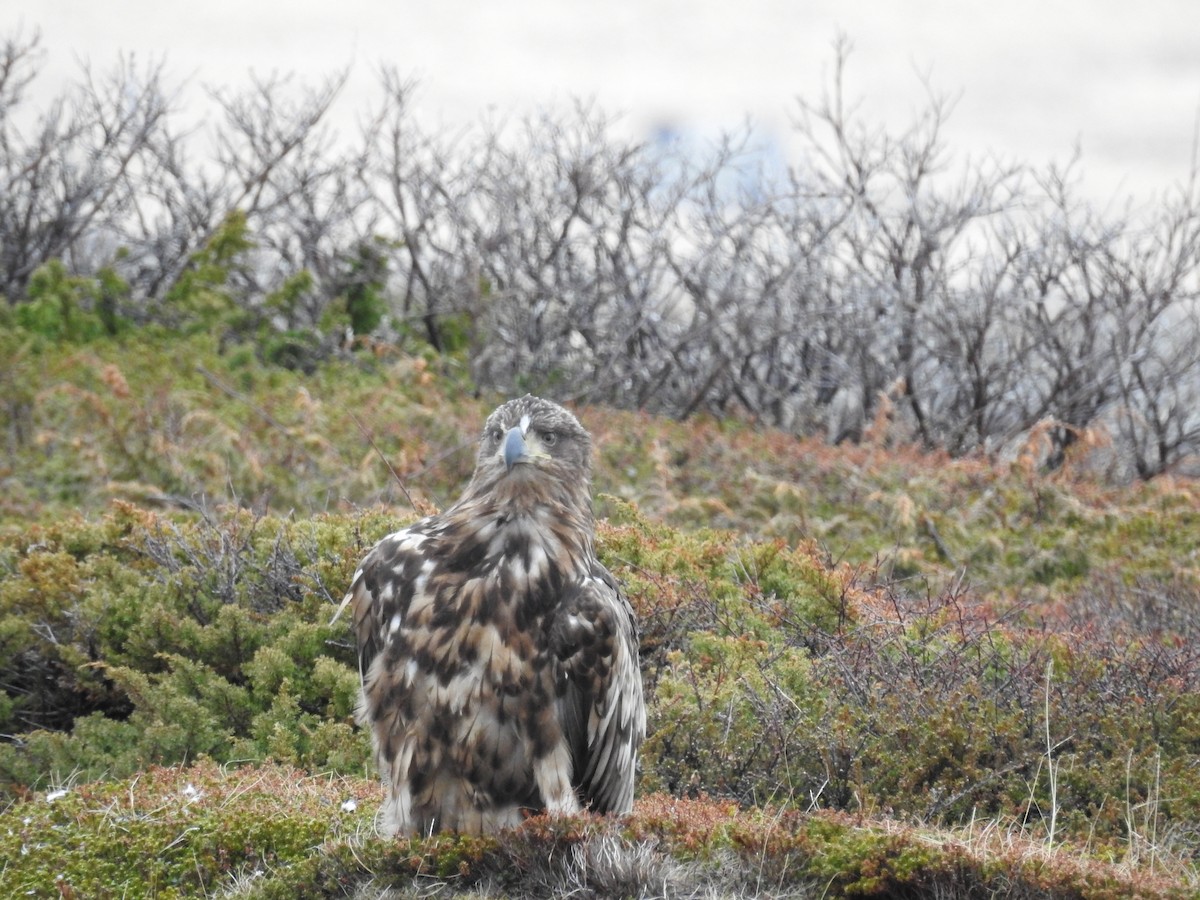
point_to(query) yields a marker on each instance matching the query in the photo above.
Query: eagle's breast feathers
(498, 657)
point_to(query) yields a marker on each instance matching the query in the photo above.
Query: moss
(170, 832)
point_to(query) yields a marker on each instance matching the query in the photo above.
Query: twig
(370, 440)
(238, 395)
(1051, 766)
(931, 530)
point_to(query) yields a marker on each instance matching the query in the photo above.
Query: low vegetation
(277, 832)
(872, 671)
(958, 656)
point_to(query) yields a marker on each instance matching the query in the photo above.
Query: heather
(873, 668)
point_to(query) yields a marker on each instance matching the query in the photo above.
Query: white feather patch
(460, 692)
(552, 773)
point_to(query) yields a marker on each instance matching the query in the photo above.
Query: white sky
(1120, 78)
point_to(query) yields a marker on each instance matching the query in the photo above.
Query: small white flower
(350, 805)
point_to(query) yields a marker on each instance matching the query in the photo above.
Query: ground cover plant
(879, 670)
(272, 832)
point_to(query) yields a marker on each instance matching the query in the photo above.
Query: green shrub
(138, 640)
(159, 642)
(204, 297)
(66, 308)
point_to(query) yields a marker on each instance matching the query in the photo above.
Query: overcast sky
(1034, 77)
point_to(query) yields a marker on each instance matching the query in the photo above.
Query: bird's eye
(494, 435)
(549, 438)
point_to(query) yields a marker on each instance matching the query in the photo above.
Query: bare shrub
(974, 299)
(72, 173)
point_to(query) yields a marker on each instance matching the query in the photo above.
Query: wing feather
(601, 708)
(382, 589)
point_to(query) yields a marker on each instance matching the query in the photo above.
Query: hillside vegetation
(872, 671)
(875, 272)
(956, 655)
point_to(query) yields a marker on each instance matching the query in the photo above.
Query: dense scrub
(776, 680)
(174, 422)
(875, 275)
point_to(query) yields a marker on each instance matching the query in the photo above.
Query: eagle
(498, 657)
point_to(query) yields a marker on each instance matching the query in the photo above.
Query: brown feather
(498, 657)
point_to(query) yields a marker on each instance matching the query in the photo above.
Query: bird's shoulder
(591, 622)
(600, 702)
(391, 574)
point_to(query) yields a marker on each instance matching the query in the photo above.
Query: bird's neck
(515, 528)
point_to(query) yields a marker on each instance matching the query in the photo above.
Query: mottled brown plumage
(498, 657)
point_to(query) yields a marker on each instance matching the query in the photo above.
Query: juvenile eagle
(499, 659)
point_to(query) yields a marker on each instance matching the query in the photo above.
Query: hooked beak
(514, 448)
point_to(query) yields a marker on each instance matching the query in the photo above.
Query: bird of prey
(498, 657)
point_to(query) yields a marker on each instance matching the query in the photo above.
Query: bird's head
(529, 443)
